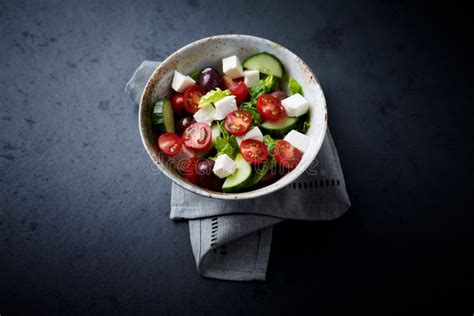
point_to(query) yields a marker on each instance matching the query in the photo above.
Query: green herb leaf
(226, 144)
(294, 87)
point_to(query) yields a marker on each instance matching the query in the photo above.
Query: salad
(235, 130)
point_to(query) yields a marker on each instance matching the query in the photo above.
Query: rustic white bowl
(208, 52)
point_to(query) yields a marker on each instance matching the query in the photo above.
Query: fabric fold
(231, 240)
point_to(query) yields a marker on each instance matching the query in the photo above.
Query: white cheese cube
(224, 166)
(232, 67)
(298, 140)
(254, 133)
(224, 106)
(205, 114)
(251, 77)
(296, 105)
(181, 82)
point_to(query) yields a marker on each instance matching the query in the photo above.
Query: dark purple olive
(182, 124)
(210, 79)
(280, 95)
(206, 177)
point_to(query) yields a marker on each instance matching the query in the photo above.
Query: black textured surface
(84, 222)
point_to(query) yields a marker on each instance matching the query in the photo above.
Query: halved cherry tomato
(190, 170)
(197, 136)
(241, 92)
(237, 87)
(270, 107)
(229, 83)
(177, 102)
(286, 155)
(191, 98)
(254, 151)
(238, 122)
(170, 144)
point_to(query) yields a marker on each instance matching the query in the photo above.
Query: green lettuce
(294, 87)
(256, 117)
(267, 85)
(304, 124)
(213, 96)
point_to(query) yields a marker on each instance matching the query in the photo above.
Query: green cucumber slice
(265, 63)
(163, 116)
(239, 179)
(279, 128)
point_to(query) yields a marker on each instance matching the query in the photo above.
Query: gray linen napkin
(231, 240)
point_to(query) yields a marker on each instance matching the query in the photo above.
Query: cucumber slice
(163, 116)
(279, 128)
(256, 177)
(265, 63)
(239, 179)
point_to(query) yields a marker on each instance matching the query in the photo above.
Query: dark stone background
(84, 223)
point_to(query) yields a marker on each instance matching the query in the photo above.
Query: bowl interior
(209, 52)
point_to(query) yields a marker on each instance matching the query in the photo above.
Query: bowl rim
(282, 182)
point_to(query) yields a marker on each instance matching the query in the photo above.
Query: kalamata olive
(210, 79)
(206, 177)
(280, 95)
(182, 124)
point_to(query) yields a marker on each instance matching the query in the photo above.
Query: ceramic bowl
(208, 52)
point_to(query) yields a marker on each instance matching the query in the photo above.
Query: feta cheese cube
(224, 106)
(224, 166)
(296, 105)
(254, 133)
(298, 140)
(251, 77)
(181, 82)
(205, 114)
(232, 67)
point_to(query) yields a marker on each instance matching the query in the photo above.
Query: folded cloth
(231, 240)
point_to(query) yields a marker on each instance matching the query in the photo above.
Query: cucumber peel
(265, 63)
(163, 116)
(279, 128)
(240, 178)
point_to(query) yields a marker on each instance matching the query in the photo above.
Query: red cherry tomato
(238, 122)
(191, 98)
(197, 136)
(190, 170)
(237, 87)
(177, 102)
(241, 92)
(170, 144)
(286, 155)
(229, 83)
(254, 151)
(270, 107)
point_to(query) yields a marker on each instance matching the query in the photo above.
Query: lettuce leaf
(304, 123)
(268, 84)
(213, 96)
(294, 87)
(256, 117)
